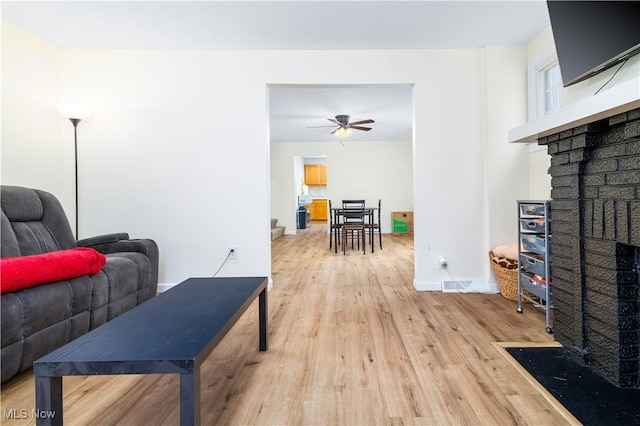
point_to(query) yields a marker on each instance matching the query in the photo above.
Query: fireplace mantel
(621, 98)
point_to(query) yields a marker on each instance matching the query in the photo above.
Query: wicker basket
(507, 277)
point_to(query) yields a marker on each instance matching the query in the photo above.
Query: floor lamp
(75, 114)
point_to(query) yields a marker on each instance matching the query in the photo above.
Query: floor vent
(456, 286)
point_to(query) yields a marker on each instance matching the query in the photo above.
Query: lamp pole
(75, 114)
(75, 122)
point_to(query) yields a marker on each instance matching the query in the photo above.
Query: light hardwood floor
(351, 342)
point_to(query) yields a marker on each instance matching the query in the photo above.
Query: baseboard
(162, 287)
(475, 286)
(493, 287)
(478, 286)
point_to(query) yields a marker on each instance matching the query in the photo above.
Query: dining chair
(335, 227)
(353, 224)
(375, 227)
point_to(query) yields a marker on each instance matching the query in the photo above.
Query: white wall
(369, 170)
(177, 149)
(37, 143)
(505, 69)
(589, 88)
(540, 50)
(543, 46)
(584, 96)
(466, 152)
(539, 178)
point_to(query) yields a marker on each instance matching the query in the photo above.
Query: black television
(592, 36)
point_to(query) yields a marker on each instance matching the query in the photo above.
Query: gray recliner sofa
(39, 319)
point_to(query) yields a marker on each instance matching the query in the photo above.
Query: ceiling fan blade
(333, 120)
(315, 127)
(362, 122)
(366, 129)
(334, 131)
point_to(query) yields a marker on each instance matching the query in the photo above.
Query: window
(551, 88)
(544, 84)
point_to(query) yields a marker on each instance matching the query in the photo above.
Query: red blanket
(26, 271)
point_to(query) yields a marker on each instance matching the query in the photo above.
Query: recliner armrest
(120, 242)
(101, 239)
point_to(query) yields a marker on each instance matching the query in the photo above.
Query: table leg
(335, 230)
(371, 230)
(48, 401)
(263, 316)
(190, 398)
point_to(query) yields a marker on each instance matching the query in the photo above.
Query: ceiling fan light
(343, 132)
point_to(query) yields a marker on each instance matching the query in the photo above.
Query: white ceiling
(295, 111)
(308, 25)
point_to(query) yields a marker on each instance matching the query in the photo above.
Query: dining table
(338, 212)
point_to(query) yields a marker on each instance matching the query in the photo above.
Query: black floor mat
(589, 397)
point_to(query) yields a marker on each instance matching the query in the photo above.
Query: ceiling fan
(343, 126)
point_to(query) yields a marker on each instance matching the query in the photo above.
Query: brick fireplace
(595, 178)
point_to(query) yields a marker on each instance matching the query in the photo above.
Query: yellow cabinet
(312, 211)
(318, 209)
(315, 174)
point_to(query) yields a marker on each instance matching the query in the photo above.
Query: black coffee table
(172, 333)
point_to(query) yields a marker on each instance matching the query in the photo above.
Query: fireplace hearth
(595, 179)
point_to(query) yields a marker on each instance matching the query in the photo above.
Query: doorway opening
(311, 194)
(374, 165)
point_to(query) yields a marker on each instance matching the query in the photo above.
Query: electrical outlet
(233, 252)
(443, 263)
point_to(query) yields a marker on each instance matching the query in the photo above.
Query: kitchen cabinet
(318, 209)
(321, 209)
(315, 174)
